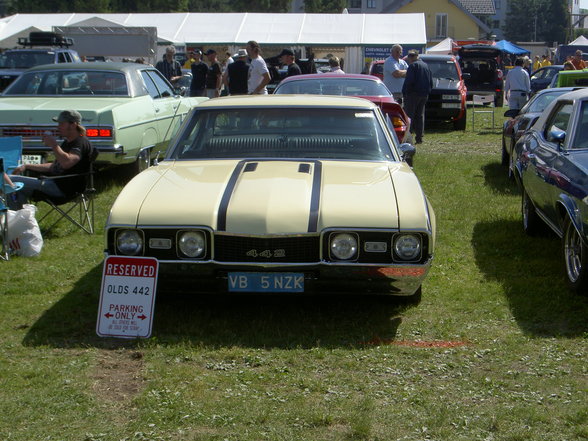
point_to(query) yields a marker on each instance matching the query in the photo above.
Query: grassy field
(496, 350)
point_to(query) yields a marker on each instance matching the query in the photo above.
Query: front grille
(302, 249)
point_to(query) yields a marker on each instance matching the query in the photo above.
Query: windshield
(78, 82)
(308, 133)
(540, 102)
(334, 86)
(25, 59)
(444, 69)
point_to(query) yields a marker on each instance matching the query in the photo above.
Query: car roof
(95, 65)
(436, 57)
(331, 75)
(288, 101)
(578, 94)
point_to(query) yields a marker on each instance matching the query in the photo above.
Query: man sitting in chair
(73, 157)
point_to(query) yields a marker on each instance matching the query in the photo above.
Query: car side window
(161, 83)
(581, 136)
(558, 121)
(151, 88)
(61, 58)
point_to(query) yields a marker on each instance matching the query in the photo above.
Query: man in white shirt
(517, 85)
(259, 75)
(395, 72)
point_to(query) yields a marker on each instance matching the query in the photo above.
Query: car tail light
(98, 133)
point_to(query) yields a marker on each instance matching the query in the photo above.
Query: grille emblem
(266, 253)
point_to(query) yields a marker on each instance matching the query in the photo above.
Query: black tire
(499, 100)
(460, 124)
(504, 159)
(575, 254)
(511, 161)
(142, 162)
(532, 223)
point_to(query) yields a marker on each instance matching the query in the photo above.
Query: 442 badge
(127, 297)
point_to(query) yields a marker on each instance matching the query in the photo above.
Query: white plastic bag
(24, 235)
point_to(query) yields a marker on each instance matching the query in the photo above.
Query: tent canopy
(511, 48)
(580, 41)
(238, 28)
(444, 47)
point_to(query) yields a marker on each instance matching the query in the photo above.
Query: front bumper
(107, 154)
(322, 278)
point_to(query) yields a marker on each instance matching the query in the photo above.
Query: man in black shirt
(416, 88)
(287, 58)
(237, 73)
(169, 67)
(73, 157)
(213, 76)
(199, 70)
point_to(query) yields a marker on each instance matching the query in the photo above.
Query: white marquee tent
(351, 31)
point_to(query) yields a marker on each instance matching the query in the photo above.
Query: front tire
(142, 162)
(575, 255)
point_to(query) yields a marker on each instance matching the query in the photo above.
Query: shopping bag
(24, 235)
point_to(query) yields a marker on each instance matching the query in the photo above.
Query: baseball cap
(286, 52)
(71, 116)
(240, 53)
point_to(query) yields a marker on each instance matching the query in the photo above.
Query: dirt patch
(118, 375)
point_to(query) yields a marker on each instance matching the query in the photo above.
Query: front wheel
(499, 100)
(575, 258)
(142, 162)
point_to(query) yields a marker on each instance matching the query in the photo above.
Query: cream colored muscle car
(280, 194)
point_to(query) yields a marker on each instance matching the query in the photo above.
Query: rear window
(307, 133)
(444, 69)
(78, 82)
(334, 86)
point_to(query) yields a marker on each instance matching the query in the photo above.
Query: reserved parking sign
(127, 297)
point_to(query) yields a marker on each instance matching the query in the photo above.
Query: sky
(584, 4)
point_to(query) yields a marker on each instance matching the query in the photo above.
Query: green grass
(496, 350)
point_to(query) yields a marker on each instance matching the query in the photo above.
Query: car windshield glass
(309, 133)
(443, 69)
(334, 86)
(25, 59)
(540, 102)
(78, 82)
(581, 137)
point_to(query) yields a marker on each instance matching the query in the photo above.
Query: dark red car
(361, 86)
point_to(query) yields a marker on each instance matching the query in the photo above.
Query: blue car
(552, 171)
(542, 77)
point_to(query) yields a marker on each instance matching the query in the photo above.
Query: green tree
(324, 6)
(536, 20)
(260, 5)
(556, 28)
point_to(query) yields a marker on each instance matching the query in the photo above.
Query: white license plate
(266, 282)
(451, 97)
(451, 105)
(32, 159)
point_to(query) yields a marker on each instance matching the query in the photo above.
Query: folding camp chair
(482, 104)
(5, 192)
(81, 201)
(11, 152)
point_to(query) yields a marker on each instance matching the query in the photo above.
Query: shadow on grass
(532, 273)
(226, 321)
(496, 178)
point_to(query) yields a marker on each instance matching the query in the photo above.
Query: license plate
(450, 97)
(32, 159)
(266, 282)
(451, 105)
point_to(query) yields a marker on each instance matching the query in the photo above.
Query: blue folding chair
(11, 152)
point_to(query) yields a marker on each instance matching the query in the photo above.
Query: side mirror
(407, 151)
(556, 135)
(511, 113)
(180, 90)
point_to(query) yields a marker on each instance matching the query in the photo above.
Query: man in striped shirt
(169, 67)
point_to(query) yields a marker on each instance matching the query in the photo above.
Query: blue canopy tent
(510, 48)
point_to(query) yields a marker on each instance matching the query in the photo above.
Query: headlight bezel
(140, 237)
(352, 237)
(416, 256)
(184, 255)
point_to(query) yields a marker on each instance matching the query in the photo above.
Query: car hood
(272, 196)
(40, 110)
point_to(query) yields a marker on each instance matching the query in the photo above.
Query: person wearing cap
(199, 70)
(169, 67)
(287, 58)
(72, 157)
(259, 75)
(237, 73)
(213, 75)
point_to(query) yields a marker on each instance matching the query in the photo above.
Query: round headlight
(407, 246)
(192, 243)
(344, 246)
(129, 242)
